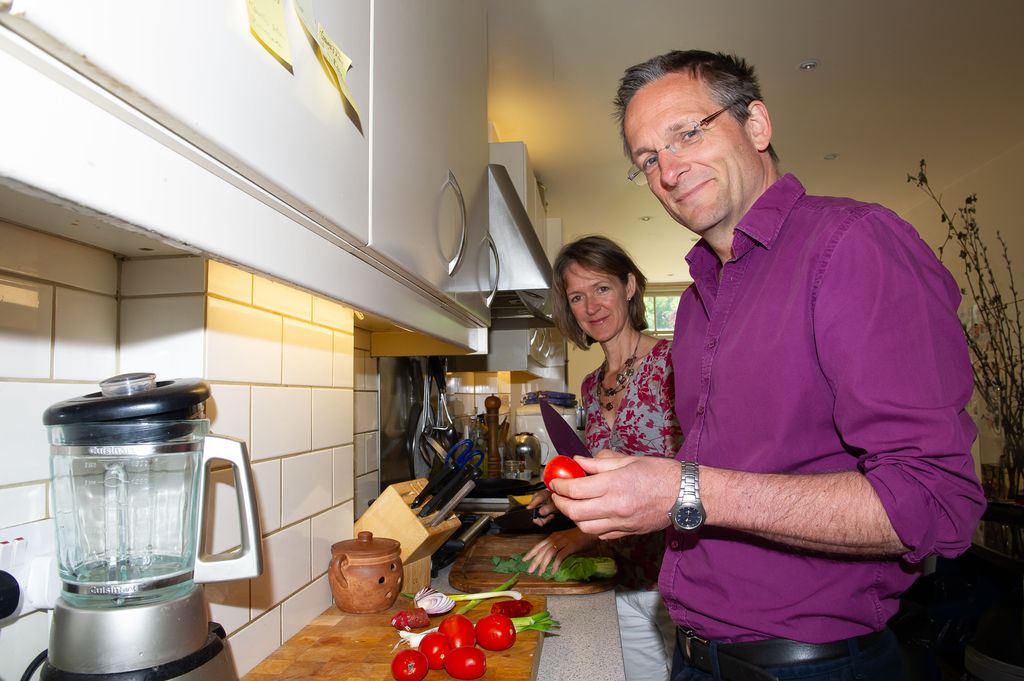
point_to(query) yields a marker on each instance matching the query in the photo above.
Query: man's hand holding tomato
(621, 495)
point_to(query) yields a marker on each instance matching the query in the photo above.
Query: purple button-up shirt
(829, 342)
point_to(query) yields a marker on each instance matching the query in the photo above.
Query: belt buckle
(689, 636)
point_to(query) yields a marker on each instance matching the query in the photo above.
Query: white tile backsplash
(329, 528)
(229, 603)
(344, 475)
(367, 489)
(222, 521)
(163, 336)
(253, 643)
(26, 327)
(153, 276)
(229, 282)
(365, 411)
(367, 455)
(285, 567)
(306, 485)
(85, 336)
(332, 417)
(228, 410)
(281, 421)
(267, 479)
(21, 640)
(300, 609)
(307, 357)
(344, 357)
(25, 452)
(22, 504)
(242, 344)
(328, 313)
(282, 299)
(50, 258)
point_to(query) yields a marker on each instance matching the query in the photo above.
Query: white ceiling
(899, 80)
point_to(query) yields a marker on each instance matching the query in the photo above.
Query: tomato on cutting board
(435, 647)
(562, 466)
(459, 630)
(495, 632)
(467, 662)
(409, 665)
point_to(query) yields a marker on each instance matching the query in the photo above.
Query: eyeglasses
(687, 135)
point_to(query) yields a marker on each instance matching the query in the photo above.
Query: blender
(129, 472)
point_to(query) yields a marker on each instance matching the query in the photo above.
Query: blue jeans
(880, 662)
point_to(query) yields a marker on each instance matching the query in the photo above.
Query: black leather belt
(746, 661)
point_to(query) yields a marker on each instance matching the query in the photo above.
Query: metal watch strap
(689, 483)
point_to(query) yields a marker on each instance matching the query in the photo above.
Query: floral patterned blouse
(645, 425)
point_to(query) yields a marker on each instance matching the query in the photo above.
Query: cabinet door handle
(453, 264)
(497, 270)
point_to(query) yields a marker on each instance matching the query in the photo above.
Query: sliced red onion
(433, 601)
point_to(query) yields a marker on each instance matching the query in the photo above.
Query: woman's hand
(543, 508)
(555, 548)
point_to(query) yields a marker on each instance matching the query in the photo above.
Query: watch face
(689, 517)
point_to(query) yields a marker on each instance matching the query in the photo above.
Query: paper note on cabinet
(266, 21)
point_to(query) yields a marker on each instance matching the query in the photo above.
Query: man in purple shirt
(821, 378)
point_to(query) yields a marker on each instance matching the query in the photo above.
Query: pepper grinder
(492, 404)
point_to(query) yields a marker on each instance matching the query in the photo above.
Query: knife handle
(439, 480)
(446, 491)
(446, 510)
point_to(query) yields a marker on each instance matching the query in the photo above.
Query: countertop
(588, 647)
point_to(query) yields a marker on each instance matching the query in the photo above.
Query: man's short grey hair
(730, 79)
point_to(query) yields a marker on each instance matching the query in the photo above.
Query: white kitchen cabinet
(195, 67)
(172, 120)
(429, 145)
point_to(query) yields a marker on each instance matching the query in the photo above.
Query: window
(661, 307)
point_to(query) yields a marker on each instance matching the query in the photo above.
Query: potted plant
(993, 331)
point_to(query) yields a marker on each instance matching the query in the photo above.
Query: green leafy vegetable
(573, 568)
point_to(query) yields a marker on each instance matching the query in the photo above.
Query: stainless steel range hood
(524, 275)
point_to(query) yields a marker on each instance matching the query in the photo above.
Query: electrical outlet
(28, 553)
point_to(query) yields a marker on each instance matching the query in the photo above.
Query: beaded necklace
(621, 378)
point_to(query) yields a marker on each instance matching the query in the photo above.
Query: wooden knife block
(390, 516)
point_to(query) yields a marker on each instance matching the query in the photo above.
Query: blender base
(153, 642)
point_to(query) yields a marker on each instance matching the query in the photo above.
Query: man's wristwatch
(687, 513)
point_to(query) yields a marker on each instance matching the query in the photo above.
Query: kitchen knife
(563, 436)
(436, 482)
(520, 520)
(450, 505)
(445, 493)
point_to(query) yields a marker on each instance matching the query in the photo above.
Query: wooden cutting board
(473, 571)
(345, 647)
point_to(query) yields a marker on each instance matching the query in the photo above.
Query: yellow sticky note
(340, 64)
(266, 21)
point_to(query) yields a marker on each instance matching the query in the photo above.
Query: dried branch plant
(994, 330)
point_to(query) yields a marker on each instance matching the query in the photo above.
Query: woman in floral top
(598, 293)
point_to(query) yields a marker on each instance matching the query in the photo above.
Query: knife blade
(563, 436)
(436, 482)
(450, 505)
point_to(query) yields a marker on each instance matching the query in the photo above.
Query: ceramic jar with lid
(365, 573)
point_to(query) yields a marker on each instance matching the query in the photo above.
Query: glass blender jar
(129, 467)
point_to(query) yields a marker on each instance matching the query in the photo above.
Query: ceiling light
(645, 218)
(831, 156)
(808, 65)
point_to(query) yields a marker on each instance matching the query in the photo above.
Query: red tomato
(562, 467)
(435, 646)
(459, 630)
(467, 662)
(409, 665)
(495, 632)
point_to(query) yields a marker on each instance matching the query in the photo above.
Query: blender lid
(135, 396)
